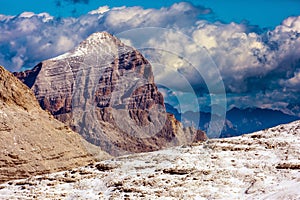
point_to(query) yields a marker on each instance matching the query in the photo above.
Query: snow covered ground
(262, 165)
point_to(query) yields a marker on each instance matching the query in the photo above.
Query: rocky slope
(262, 165)
(105, 90)
(32, 141)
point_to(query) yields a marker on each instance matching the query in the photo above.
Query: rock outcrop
(32, 141)
(105, 90)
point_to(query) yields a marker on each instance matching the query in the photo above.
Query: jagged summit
(105, 90)
(91, 43)
(100, 37)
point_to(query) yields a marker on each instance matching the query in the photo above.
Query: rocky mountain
(32, 141)
(105, 90)
(262, 165)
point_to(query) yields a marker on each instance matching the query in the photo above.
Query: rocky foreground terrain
(262, 165)
(32, 141)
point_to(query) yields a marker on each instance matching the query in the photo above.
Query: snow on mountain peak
(100, 37)
(95, 42)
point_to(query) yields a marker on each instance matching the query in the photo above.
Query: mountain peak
(99, 42)
(100, 36)
(114, 84)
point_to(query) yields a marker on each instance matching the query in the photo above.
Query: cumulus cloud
(35, 37)
(100, 10)
(259, 68)
(178, 15)
(239, 54)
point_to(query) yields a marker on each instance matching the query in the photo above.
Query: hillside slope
(32, 141)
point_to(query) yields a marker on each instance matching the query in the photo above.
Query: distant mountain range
(238, 121)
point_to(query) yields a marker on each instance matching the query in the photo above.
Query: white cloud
(101, 10)
(17, 61)
(293, 82)
(64, 43)
(290, 24)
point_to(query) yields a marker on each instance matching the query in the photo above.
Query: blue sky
(269, 13)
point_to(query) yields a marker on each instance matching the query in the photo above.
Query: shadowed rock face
(32, 141)
(105, 90)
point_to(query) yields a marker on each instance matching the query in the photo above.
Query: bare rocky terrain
(261, 165)
(32, 141)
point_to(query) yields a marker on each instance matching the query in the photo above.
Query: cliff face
(32, 141)
(105, 90)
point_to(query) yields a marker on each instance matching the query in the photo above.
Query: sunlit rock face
(105, 90)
